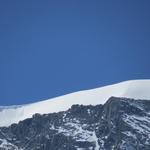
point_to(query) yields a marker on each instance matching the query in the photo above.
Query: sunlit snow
(138, 89)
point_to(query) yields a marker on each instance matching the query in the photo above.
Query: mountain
(137, 89)
(119, 124)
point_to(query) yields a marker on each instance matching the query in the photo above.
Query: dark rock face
(119, 124)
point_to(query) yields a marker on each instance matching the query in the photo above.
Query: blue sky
(53, 47)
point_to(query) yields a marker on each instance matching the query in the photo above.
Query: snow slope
(138, 89)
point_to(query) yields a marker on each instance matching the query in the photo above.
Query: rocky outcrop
(119, 124)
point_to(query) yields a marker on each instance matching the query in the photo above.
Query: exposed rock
(119, 124)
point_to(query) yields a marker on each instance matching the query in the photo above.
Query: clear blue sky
(53, 47)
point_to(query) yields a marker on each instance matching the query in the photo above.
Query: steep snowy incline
(137, 89)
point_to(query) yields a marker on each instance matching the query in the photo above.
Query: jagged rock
(119, 124)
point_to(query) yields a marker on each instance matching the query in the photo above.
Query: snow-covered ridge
(137, 89)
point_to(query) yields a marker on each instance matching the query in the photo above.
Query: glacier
(137, 89)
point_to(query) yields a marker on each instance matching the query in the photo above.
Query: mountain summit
(137, 89)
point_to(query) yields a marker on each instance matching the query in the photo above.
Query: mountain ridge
(137, 89)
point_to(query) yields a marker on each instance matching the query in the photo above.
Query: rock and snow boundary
(137, 89)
